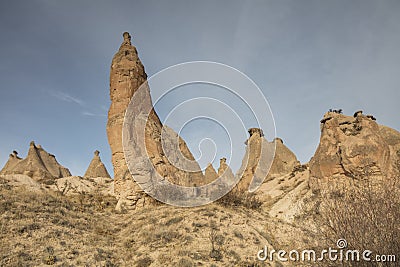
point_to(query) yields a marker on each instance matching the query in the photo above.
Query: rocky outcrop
(355, 146)
(210, 174)
(38, 165)
(126, 76)
(225, 171)
(284, 160)
(264, 160)
(96, 168)
(254, 168)
(13, 160)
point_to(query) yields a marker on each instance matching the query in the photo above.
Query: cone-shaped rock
(210, 174)
(96, 168)
(38, 165)
(284, 160)
(126, 76)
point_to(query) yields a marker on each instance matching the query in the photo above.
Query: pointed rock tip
(96, 153)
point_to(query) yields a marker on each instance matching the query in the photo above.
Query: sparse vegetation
(364, 211)
(83, 230)
(236, 198)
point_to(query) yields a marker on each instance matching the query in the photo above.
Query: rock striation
(96, 168)
(126, 76)
(355, 146)
(38, 165)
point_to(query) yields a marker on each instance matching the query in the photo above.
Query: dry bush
(236, 198)
(365, 212)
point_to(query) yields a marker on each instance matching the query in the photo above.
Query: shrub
(364, 212)
(242, 198)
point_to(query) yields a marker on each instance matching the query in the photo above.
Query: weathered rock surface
(225, 171)
(284, 160)
(96, 168)
(38, 165)
(126, 76)
(264, 159)
(210, 174)
(355, 146)
(12, 161)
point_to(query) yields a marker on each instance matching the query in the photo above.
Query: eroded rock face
(284, 160)
(126, 76)
(13, 160)
(255, 168)
(96, 168)
(225, 171)
(264, 160)
(38, 165)
(210, 174)
(354, 146)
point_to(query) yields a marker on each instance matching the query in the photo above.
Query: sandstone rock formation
(210, 174)
(38, 165)
(225, 171)
(96, 168)
(126, 76)
(284, 160)
(355, 146)
(12, 161)
(264, 159)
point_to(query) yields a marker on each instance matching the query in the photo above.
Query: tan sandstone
(126, 76)
(355, 146)
(38, 165)
(96, 168)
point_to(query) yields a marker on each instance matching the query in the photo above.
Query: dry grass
(49, 228)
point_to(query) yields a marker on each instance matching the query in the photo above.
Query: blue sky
(306, 56)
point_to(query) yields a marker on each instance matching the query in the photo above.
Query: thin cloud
(90, 114)
(67, 98)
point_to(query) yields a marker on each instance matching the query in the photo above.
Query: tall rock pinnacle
(126, 75)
